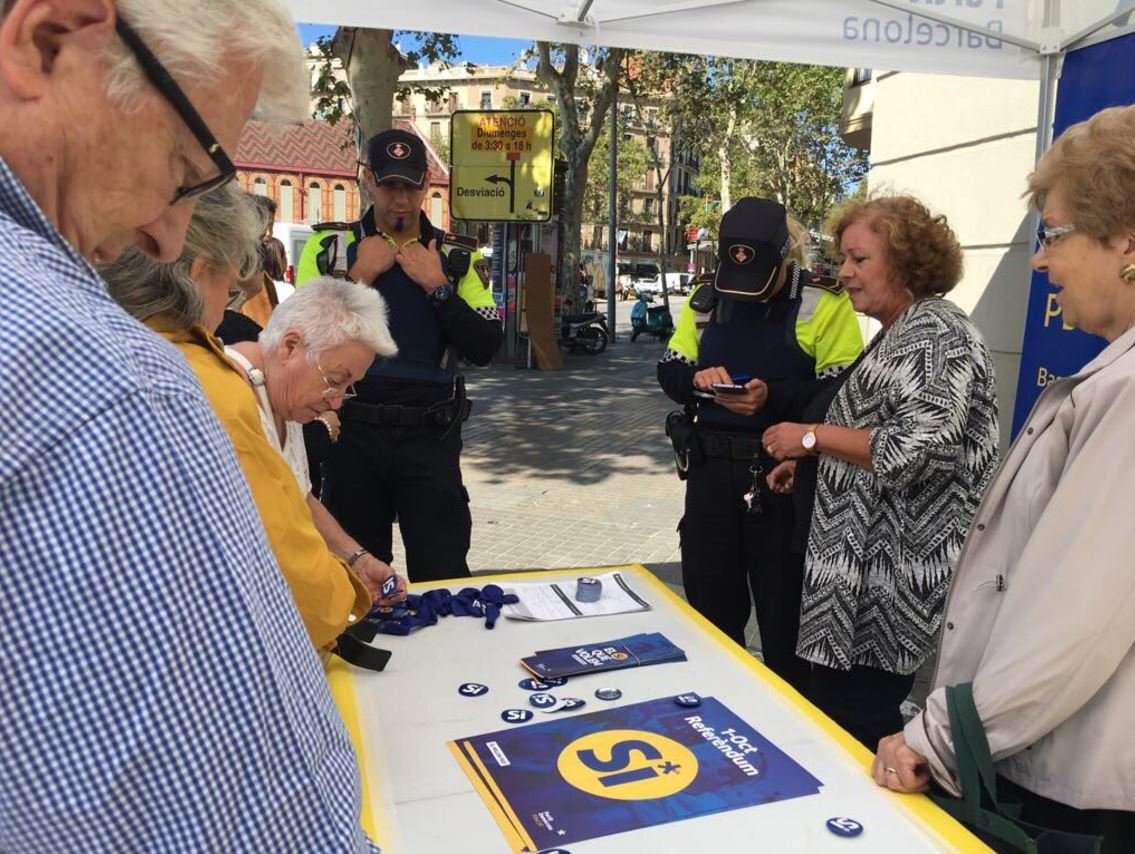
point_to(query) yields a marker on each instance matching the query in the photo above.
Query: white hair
(192, 40)
(331, 312)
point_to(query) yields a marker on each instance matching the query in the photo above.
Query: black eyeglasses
(165, 84)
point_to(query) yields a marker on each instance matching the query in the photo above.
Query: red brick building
(309, 170)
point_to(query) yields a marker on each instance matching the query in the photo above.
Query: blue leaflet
(631, 651)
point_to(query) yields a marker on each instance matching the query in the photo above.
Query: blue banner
(1093, 78)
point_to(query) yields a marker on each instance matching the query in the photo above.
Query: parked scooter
(650, 319)
(587, 331)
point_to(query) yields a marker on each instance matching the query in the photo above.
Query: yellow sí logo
(627, 765)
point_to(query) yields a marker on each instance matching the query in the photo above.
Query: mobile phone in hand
(728, 388)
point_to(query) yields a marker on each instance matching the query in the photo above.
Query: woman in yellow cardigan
(182, 302)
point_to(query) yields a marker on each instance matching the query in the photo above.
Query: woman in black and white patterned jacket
(905, 452)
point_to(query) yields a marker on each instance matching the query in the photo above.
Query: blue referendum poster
(617, 769)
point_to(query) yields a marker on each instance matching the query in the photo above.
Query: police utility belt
(447, 414)
(693, 444)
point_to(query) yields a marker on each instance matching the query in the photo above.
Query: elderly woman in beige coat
(1041, 615)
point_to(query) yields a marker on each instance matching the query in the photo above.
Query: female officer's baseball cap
(397, 155)
(752, 245)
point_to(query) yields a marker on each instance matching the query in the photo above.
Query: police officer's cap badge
(741, 254)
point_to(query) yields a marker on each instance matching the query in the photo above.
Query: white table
(418, 799)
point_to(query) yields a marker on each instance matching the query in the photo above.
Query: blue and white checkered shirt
(158, 691)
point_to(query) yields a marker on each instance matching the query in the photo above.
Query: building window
(314, 203)
(340, 203)
(648, 205)
(860, 76)
(525, 98)
(287, 202)
(436, 211)
(260, 187)
(435, 133)
(486, 100)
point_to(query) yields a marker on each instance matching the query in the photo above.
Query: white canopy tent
(991, 38)
(1008, 39)
(996, 38)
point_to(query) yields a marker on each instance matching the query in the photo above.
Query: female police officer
(749, 350)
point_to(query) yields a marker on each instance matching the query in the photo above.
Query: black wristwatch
(441, 293)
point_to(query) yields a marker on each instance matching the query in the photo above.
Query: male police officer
(399, 450)
(764, 333)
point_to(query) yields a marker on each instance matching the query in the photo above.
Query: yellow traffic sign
(502, 165)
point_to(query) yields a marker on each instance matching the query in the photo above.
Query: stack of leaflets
(631, 651)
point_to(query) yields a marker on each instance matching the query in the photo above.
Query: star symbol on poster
(669, 768)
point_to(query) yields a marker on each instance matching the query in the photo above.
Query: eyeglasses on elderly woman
(1047, 235)
(345, 391)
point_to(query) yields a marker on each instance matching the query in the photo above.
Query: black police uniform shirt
(429, 335)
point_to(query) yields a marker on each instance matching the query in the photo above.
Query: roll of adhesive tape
(588, 590)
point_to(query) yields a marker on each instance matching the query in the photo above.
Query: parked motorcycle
(587, 331)
(650, 319)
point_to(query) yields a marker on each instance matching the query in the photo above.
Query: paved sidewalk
(572, 468)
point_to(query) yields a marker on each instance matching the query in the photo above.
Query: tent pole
(1049, 64)
(612, 213)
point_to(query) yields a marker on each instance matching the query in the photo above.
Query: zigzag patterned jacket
(883, 543)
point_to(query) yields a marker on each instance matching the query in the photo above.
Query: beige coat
(1041, 614)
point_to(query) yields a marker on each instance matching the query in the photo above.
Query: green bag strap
(970, 723)
(969, 779)
(976, 775)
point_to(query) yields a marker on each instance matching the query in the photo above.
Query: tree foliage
(372, 61)
(763, 128)
(631, 165)
(583, 96)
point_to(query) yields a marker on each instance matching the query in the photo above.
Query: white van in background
(293, 235)
(678, 283)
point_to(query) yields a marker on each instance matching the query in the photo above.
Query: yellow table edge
(928, 813)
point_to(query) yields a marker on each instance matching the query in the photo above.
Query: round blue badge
(542, 701)
(472, 689)
(688, 701)
(843, 826)
(542, 684)
(517, 716)
(570, 703)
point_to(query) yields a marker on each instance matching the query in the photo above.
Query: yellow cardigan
(328, 594)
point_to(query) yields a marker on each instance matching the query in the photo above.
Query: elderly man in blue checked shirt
(159, 692)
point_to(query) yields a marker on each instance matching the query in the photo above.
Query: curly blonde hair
(1093, 164)
(922, 250)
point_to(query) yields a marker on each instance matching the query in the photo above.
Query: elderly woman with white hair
(316, 344)
(182, 301)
